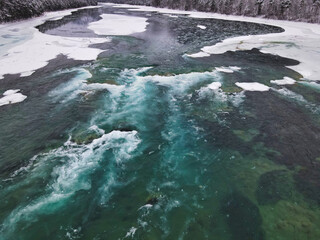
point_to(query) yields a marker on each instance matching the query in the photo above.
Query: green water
(145, 150)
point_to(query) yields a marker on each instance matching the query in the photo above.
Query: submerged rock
(307, 182)
(274, 186)
(85, 137)
(153, 199)
(124, 127)
(243, 217)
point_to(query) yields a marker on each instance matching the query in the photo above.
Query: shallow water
(136, 145)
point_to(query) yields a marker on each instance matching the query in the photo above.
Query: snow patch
(284, 81)
(18, 51)
(21, 58)
(253, 86)
(115, 24)
(11, 97)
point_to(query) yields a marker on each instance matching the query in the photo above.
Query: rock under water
(243, 217)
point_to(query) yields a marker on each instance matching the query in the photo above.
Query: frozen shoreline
(299, 41)
(22, 41)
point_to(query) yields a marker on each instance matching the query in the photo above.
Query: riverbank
(293, 10)
(14, 10)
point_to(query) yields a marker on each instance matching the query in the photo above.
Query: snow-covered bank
(25, 49)
(299, 41)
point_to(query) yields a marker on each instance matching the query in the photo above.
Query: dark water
(152, 152)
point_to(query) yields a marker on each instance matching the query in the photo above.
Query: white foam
(290, 94)
(229, 69)
(235, 68)
(115, 24)
(96, 129)
(214, 85)
(202, 27)
(311, 84)
(237, 98)
(115, 90)
(11, 97)
(225, 70)
(299, 99)
(131, 232)
(252, 86)
(73, 175)
(78, 85)
(181, 82)
(147, 206)
(70, 89)
(284, 81)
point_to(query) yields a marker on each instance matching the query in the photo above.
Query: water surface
(135, 144)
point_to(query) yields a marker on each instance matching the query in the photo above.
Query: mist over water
(148, 143)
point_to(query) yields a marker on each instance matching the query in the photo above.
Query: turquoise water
(135, 145)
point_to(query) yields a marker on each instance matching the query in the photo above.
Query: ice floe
(11, 97)
(253, 86)
(284, 81)
(116, 24)
(202, 27)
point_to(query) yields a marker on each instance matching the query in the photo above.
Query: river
(136, 123)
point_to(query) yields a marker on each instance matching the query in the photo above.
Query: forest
(296, 10)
